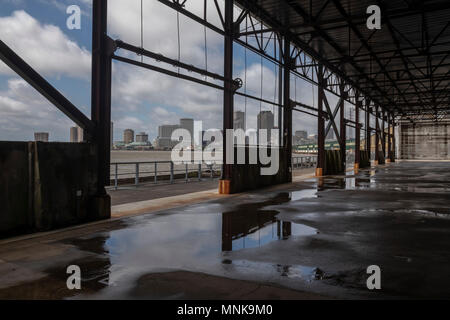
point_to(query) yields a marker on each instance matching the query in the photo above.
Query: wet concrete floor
(311, 239)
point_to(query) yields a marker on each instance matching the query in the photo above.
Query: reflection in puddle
(196, 240)
(303, 194)
(269, 269)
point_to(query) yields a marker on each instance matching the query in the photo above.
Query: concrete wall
(15, 189)
(427, 141)
(44, 186)
(248, 176)
(333, 163)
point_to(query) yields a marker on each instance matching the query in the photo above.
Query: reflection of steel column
(228, 95)
(287, 229)
(227, 240)
(320, 125)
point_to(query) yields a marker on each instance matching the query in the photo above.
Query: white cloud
(24, 111)
(45, 47)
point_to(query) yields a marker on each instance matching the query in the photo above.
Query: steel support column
(102, 49)
(287, 112)
(394, 147)
(383, 134)
(280, 101)
(368, 130)
(377, 136)
(389, 137)
(228, 96)
(320, 124)
(343, 127)
(357, 133)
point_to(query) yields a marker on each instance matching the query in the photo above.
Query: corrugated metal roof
(411, 52)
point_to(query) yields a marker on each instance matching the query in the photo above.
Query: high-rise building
(128, 136)
(301, 134)
(76, 134)
(166, 130)
(239, 120)
(41, 136)
(164, 139)
(266, 120)
(188, 124)
(330, 135)
(142, 137)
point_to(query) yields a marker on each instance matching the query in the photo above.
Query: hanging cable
(142, 28)
(261, 97)
(275, 74)
(206, 44)
(245, 69)
(179, 40)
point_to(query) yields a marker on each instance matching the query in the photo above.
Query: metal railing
(301, 162)
(135, 173)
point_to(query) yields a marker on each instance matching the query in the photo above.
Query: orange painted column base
(319, 172)
(224, 186)
(375, 162)
(356, 168)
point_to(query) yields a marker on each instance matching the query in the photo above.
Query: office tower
(188, 124)
(128, 136)
(301, 134)
(165, 131)
(266, 120)
(76, 134)
(41, 136)
(164, 139)
(239, 120)
(142, 137)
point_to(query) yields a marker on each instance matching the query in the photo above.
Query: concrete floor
(311, 239)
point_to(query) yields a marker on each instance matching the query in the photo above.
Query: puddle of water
(303, 194)
(271, 270)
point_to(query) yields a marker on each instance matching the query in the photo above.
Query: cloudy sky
(142, 99)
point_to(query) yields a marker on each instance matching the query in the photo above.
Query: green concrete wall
(46, 186)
